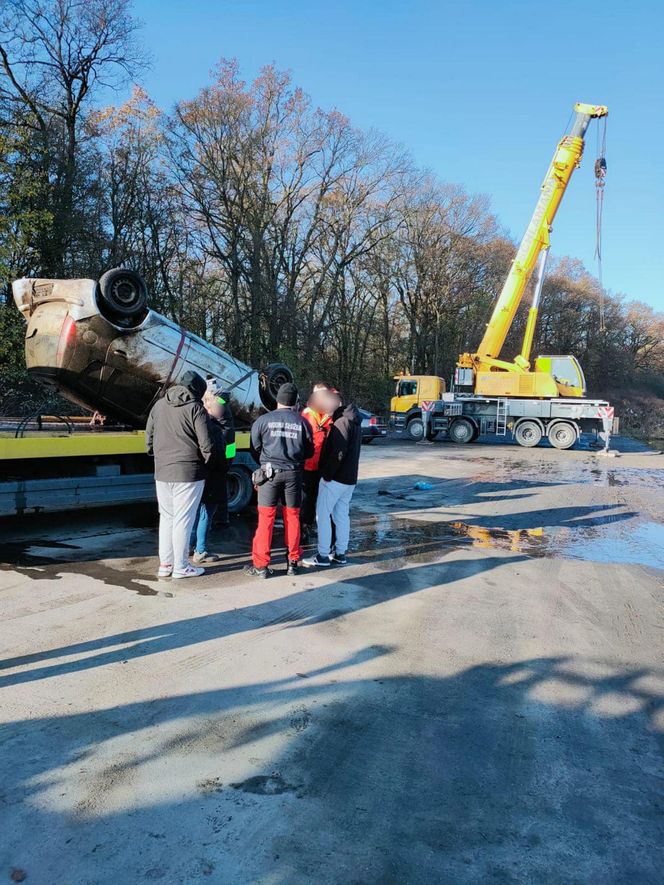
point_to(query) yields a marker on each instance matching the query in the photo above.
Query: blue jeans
(202, 525)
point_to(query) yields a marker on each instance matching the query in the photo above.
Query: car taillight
(373, 420)
(66, 340)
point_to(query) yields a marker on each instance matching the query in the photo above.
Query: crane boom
(532, 249)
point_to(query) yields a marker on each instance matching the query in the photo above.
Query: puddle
(265, 785)
(402, 541)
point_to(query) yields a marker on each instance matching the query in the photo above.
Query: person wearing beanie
(281, 442)
(178, 436)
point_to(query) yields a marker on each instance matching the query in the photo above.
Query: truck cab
(406, 404)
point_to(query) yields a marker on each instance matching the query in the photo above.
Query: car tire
(123, 295)
(271, 379)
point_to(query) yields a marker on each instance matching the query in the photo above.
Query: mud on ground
(476, 697)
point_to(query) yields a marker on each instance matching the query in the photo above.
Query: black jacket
(340, 458)
(218, 464)
(227, 424)
(178, 435)
(282, 438)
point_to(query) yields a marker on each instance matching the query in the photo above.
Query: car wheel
(123, 295)
(271, 379)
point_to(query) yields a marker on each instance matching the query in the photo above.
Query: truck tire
(562, 434)
(122, 296)
(462, 431)
(415, 429)
(240, 489)
(528, 433)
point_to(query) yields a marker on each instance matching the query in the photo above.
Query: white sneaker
(189, 572)
(165, 570)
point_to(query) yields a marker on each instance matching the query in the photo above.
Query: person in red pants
(281, 442)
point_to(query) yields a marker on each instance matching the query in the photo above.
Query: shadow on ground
(544, 770)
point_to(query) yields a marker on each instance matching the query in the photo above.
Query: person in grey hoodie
(178, 436)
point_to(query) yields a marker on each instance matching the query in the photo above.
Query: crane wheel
(462, 431)
(562, 434)
(528, 433)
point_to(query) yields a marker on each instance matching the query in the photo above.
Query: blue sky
(478, 91)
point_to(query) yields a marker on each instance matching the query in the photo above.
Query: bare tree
(53, 55)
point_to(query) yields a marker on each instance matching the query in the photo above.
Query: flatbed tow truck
(66, 465)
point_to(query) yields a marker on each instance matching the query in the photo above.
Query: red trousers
(262, 545)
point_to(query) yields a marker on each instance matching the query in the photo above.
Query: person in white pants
(333, 506)
(179, 437)
(178, 504)
(339, 465)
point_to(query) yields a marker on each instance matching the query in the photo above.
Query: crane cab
(566, 371)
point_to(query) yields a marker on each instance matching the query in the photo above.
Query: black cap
(287, 395)
(194, 383)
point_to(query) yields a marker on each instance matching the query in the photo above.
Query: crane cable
(600, 175)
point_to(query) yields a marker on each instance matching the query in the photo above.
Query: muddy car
(99, 345)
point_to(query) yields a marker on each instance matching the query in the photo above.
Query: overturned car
(99, 345)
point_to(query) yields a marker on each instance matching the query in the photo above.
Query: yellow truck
(406, 405)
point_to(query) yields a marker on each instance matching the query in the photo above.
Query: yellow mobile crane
(492, 395)
(552, 375)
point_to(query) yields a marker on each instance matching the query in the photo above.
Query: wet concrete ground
(476, 697)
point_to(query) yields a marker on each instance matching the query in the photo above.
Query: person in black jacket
(178, 436)
(339, 465)
(215, 493)
(281, 442)
(227, 422)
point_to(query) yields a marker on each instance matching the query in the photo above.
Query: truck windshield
(407, 388)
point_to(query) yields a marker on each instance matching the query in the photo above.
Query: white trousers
(333, 504)
(178, 503)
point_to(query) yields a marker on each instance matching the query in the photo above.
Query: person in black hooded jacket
(215, 493)
(178, 436)
(339, 466)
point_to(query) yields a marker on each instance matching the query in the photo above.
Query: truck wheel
(123, 295)
(240, 489)
(415, 429)
(462, 431)
(562, 435)
(528, 434)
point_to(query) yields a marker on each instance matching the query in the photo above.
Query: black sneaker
(253, 571)
(316, 561)
(339, 558)
(293, 568)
